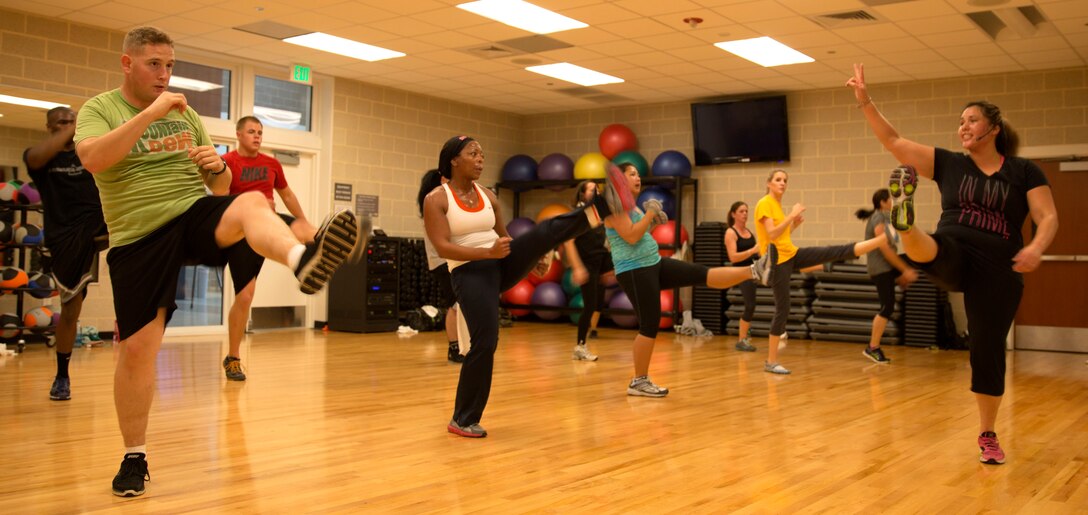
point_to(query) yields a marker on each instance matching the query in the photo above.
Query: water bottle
(116, 334)
(79, 334)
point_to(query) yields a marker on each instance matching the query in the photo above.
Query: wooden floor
(341, 422)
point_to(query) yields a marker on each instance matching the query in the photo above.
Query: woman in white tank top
(464, 223)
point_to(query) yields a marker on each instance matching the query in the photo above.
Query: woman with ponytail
(741, 248)
(440, 270)
(885, 269)
(986, 194)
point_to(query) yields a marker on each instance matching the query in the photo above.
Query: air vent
(534, 44)
(272, 29)
(1012, 23)
(847, 19)
(593, 95)
(491, 51)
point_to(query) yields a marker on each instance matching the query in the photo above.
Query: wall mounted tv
(740, 131)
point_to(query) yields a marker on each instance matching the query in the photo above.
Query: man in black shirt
(73, 221)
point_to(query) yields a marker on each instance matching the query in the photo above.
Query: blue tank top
(627, 257)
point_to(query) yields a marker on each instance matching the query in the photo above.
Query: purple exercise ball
(549, 294)
(519, 226)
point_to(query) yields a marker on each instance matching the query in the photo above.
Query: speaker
(363, 295)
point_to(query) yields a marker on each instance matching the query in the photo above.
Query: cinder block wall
(384, 139)
(836, 163)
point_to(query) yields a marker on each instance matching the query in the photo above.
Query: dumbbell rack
(21, 259)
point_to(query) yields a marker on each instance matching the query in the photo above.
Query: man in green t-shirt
(151, 159)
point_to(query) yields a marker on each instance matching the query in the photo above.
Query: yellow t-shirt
(768, 207)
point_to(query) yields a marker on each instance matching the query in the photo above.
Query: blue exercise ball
(519, 168)
(549, 294)
(671, 163)
(668, 201)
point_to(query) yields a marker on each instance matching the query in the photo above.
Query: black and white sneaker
(336, 240)
(763, 268)
(129, 481)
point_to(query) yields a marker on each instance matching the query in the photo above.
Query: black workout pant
(805, 257)
(885, 291)
(592, 294)
(643, 287)
(477, 285)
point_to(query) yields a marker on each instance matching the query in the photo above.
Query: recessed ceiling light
(523, 15)
(764, 51)
(30, 102)
(193, 84)
(341, 46)
(574, 73)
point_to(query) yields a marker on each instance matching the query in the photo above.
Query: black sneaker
(232, 366)
(61, 389)
(129, 481)
(454, 354)
(336, 240)
(876, 355)
(902, 184)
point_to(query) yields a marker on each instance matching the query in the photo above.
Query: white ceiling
(645, 42)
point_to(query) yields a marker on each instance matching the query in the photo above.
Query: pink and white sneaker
(990, 450)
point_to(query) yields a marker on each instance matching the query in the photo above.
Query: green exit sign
(301, 73)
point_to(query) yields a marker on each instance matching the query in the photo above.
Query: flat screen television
(740, 131)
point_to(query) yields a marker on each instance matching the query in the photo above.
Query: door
(1053, 314)
(277, 288)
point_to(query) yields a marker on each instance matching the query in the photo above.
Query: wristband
(221, 170)
(865, 103)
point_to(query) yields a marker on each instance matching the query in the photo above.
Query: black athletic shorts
(145, 273)
(71, 257)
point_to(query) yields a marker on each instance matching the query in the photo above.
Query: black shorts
(145, 273)
(71, 257)
(441, 277)
(247, 260)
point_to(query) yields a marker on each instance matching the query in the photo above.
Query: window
(206, 88)
(282, 104)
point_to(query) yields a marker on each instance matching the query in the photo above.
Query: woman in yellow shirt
(773, 227)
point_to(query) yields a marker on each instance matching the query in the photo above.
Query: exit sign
(301, 73)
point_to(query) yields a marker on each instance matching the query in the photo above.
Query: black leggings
(991, 296)
(477, 285)
(592, 294)
(885, 291)
(748, 290)
(805, 257)
(643, 287)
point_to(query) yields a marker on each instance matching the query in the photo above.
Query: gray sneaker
(642, 386)
(775, 368)
(876, 355)
(471, 431)
(763, 268)
(581, 353)
(745, 345)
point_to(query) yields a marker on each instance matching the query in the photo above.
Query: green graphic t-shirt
(156, 181)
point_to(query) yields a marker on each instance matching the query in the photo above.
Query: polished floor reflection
(342, 422)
